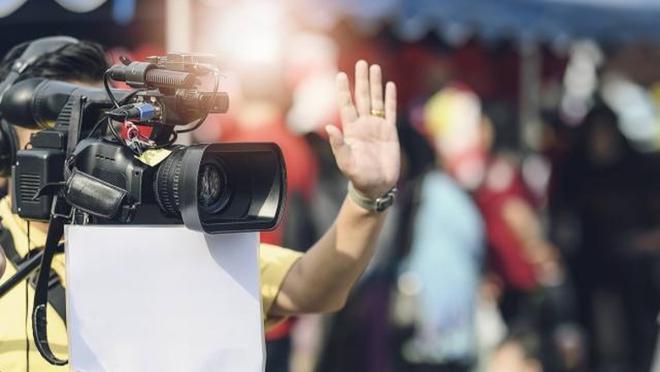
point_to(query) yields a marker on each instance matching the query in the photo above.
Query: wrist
(370, 203)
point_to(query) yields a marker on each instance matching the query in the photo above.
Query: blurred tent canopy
(530, 23)
(523, 20)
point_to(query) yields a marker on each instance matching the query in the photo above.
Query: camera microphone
(148, 75)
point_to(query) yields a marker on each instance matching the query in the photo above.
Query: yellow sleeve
(274, 263)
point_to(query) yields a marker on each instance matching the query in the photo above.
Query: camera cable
(103, 117)
(106, 85)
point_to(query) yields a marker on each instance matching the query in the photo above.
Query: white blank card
(162, 298)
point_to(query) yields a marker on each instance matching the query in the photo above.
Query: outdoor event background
(527, 232)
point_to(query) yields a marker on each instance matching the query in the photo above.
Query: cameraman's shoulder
(274, 264)
(9, 222)
(7, 218)
(273, 255)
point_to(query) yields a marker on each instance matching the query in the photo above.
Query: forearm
(367, 152)
(321, 279)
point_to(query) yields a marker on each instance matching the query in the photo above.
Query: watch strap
(375, 205)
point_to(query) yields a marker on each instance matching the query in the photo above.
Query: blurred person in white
(443, 269)
(525, 268)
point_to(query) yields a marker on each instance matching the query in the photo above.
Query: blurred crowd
(502, 254)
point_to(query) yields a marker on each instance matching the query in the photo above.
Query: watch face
(385, 202)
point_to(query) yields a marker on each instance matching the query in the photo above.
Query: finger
(362, 88)
(339, 147)
(346, 108)
(376, 88)
(390, 103)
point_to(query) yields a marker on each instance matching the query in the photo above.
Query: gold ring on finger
(379, 113)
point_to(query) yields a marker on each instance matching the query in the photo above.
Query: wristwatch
(378, 205)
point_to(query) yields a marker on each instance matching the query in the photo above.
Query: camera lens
(212, 187)
(223, 187)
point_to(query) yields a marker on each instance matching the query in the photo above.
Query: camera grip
(94, 195)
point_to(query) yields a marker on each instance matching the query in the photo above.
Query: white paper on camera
(162, 298)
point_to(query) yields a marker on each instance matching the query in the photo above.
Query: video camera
(109, 154)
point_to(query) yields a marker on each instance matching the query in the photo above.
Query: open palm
(367, 151)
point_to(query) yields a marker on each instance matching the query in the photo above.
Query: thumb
(339, 148)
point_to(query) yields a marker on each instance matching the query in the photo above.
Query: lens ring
(167, 183)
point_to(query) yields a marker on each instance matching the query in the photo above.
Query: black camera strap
(55, 233)
(39, 322)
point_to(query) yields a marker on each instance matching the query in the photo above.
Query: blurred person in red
(521, 255)
(536, 292)
(285, 109)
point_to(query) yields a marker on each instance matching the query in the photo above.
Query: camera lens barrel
(205, 179)
(223, 187)
(183, 187)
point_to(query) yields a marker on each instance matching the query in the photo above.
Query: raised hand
(367, 150)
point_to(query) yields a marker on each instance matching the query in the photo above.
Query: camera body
(110, 155)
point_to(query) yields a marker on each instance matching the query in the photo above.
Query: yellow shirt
(274, 263)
